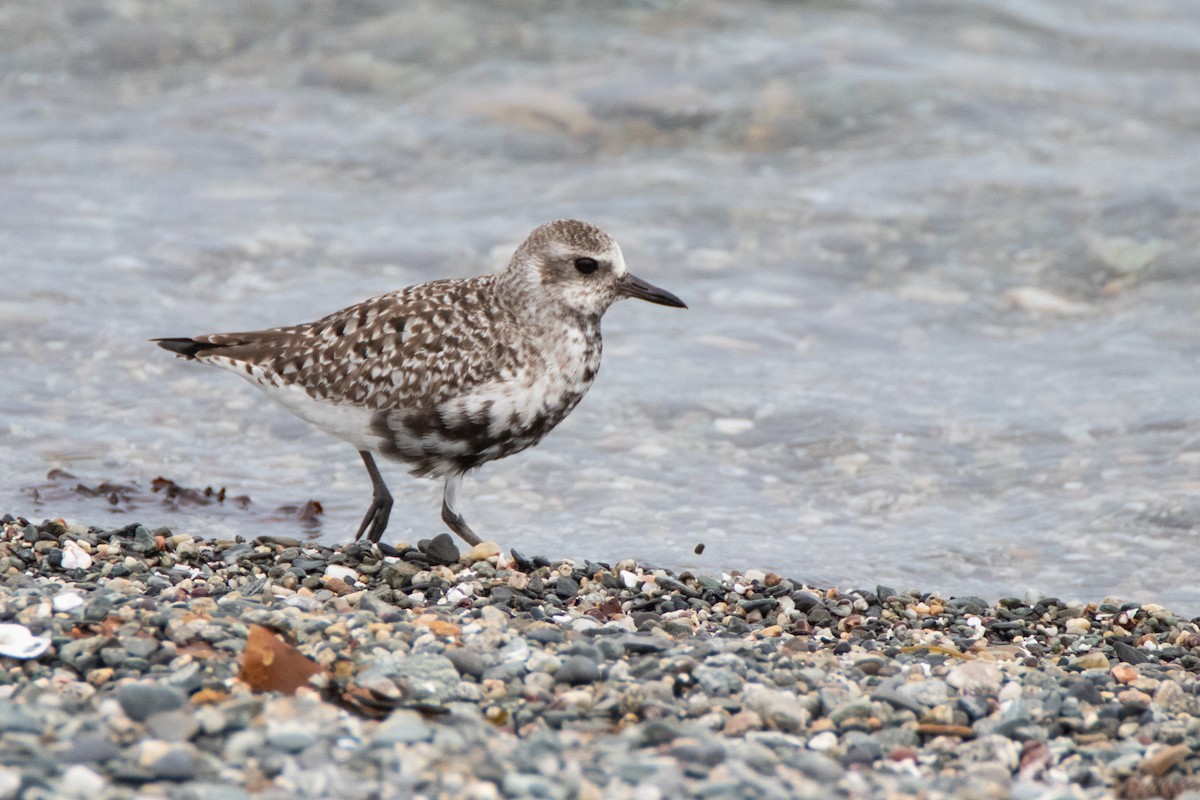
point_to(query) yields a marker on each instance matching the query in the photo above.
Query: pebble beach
(430, 671)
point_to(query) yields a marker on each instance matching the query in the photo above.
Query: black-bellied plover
(447, 375)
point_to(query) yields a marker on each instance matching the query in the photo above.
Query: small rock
(292, 735)
(1161, 759)
(578, 669)
(825, 740)
(342, 573)
(402, 726)
(441, 550)
(484, 551)
(975, 677)
(172, 762)
(81, 782)
(1092, 660)
(141, 700)
(1129, 654)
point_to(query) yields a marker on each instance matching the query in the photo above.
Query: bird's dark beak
(632, 286)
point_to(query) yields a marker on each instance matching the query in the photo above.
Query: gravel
(474, 673)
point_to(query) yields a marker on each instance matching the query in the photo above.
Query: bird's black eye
(587, 265)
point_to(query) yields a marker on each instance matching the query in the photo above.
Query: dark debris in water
(130, 496)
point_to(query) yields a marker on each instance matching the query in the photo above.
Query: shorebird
(448, 375)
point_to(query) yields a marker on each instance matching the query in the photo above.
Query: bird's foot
(459, 525)
(376, 520)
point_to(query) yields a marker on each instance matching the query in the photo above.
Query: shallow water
(940, 262)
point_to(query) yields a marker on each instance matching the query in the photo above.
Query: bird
(445, 376)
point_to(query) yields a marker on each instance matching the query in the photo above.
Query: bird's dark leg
(376, 520)
(450, 513)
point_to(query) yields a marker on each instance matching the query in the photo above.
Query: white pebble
(629, 579)
(825, 740)
(341, 573)
(66, 601)
(74, 557)
(1031, 298)
(732, 426)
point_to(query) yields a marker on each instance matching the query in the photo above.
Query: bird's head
(579, 266)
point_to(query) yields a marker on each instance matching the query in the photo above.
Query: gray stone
(862, 751)
(1129, 654)
(371, 601)
(143, 541)
(16, 718)
(176, 764)
(566, 587)
(139, 646)
(141, 700)
(292, 736)
(211, 791)
(578, 669)
(90, 747)
(402, 726)
(441, 550)
(427, 677)
(717, 681)
(820, 768)
(779, 708)
(469, 662)
(173, 726)
(81, 653)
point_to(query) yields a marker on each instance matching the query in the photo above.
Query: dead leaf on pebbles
(269, 664)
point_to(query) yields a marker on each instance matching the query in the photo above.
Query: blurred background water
(940, 258)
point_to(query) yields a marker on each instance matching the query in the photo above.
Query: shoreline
(479, 673)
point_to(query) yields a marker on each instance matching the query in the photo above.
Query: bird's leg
(376, 520)
(450, 513)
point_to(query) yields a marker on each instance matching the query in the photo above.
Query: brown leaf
(269, 664)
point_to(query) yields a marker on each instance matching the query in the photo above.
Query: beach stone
(578, 669)
(402, 726)
(143, 541)
(1129, 654)
(717, 681)
(173, 726)
(211, 791)
(140, 700)
(966, 605)
(441, 549)
(484, 551)
(166, 760)
(469, 662)
(371, 601)
(862, 751)
(817, 766)
(81, 782)
(1092, 660)
(81, 654)
(975, 677)
(89, 747)
(292, 735)
(1161, 759)
(428, 677)
(16, 718)
(543, 632)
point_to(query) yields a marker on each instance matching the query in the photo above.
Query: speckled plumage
(447, 375)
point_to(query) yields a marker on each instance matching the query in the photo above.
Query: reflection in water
(939, 262)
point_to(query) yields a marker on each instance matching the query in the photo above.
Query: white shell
(66, 601)
(342, 573)
(74, 557)
(16, 641)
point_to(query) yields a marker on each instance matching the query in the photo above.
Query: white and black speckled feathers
(451, 374)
